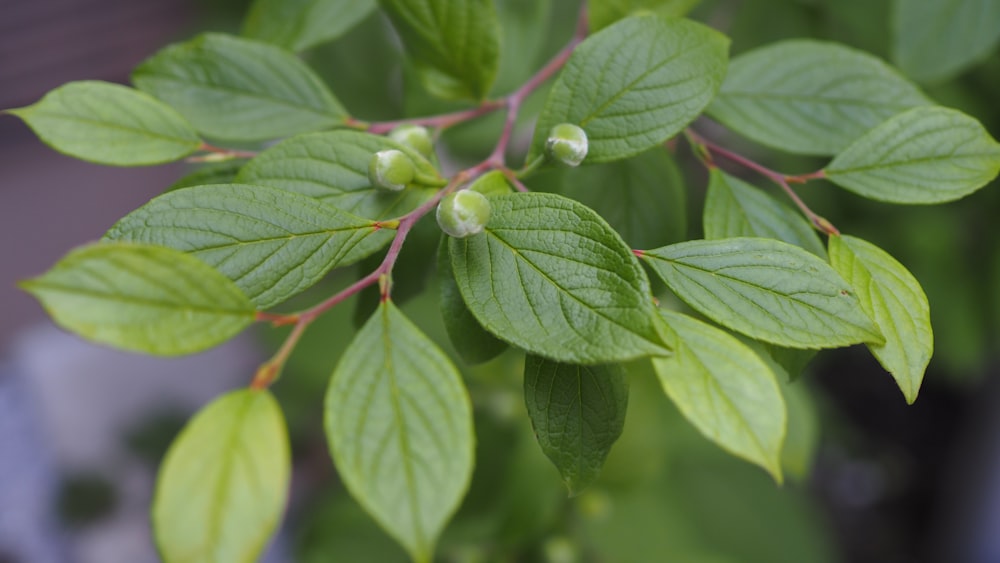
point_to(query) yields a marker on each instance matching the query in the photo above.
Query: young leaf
(109, 124)
(810, 97)
(297, 25)
(399, 424)
(734, 208)
(455, 44)
(766, 289)
(333, 167)
(643, 198)
(577, 413)
(725, 390)
(635, 84)
(223, 485)
(273, 244)
(142, 298)
(933, 41)
(893, 298)
(924, 155)
(472, 342)
(550, 276)
(603, 13)
(239, 89)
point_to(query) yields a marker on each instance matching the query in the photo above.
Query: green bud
(414, 136)
(567, 143)
(463, 213)
(391, 170)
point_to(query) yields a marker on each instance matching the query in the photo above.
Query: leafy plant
(557, 276)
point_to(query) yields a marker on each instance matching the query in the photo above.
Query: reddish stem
(233, 153)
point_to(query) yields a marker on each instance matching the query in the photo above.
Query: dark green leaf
(635, 84)
(725, 390)
(234, 88)
(109, 124)
(223, 485)
(935, 40)
(333, 168)
(273, 244)
(766, 289)
(810, 97)
(472, 342)
(550, 276)
(734, 208)
(924, 155)
(894, 299)
(603, 13)
(297, 25)
(455, 44)
(142, 298)
(211, 173)
(577, 412)
(399, 423)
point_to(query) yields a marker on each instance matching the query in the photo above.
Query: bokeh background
(82, 428)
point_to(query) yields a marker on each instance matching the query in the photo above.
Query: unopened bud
(416, 137)
(391, 170)
(463, 213)
(567, 143)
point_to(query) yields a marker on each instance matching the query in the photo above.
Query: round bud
(567, 143)
(463, 213)
(391, 170)
(416, 137)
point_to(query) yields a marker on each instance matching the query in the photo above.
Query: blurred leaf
(298, 25)
(211, 173)
(935, 40)
(603, 13)
(472, 342)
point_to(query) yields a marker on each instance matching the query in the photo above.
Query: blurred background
(83, 428)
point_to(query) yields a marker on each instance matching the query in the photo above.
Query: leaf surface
(399, 423)
(297, 25)
(933, 41)
(473, 343)
(603, 13)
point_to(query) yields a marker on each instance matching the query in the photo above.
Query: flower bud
(391, 170)
(414, 136)
(463, 213)
(567, 143)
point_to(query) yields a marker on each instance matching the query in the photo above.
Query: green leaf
(725, 390)
(933, 41)
(210, 173)
(577, 413)
(142, 298)
(891, 296)
(810, 97)
(924, 155)
(734, 208)
(643, 198)
(273, 244)
(109, 124)
(297, 25)
(223, 485)
(525, 29)
(766, 289)
(239, 89)
(603, 13)
(550, 276)
(635, 84)
(472, 342)
(333, 167)
(455, 44)
(399, 423)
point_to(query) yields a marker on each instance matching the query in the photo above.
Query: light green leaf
(109, 124)
(643, 198)
(935, 40)
(455, 44)
(891, 296)
(142, 298)
(810, 97)
(577, 412)
(472, 342)
(725, 390)
(333, 167)
(734, 208)
(210, 173)
(223, 485)
(297, 25)
(603, 13)
(273, 244)
(802, 442)
(635, 84)
(766, 289)
(924, 155)
(399, 423)
(550, 276)
(234, 88)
